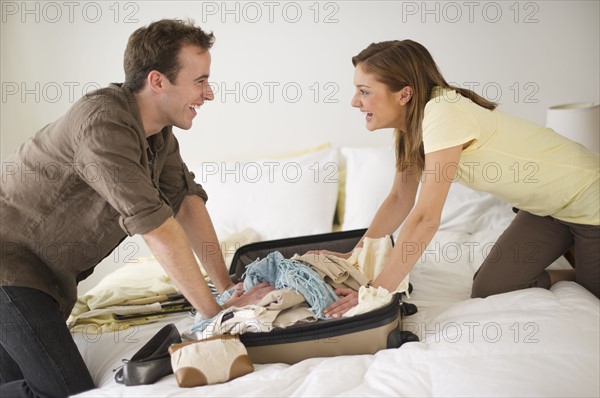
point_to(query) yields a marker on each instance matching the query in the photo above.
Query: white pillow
(277, 198)
(369, 176)
(470, 211)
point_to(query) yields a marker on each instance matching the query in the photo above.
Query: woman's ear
(405, 95)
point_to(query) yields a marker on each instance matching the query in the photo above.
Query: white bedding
(532, 342)
(527, 343)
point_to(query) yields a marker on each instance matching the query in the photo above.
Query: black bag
(361, 334)
(152, 362)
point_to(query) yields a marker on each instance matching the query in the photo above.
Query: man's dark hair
(156, 47)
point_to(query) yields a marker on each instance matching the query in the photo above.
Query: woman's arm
(396, 206)
(392, 211)
(418, 229)
(424, 220)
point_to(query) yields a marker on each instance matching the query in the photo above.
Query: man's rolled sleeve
(145, 221)
(193, 187)
(176, 181)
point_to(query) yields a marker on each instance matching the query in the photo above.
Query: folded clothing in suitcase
(361, 334)
(340, 242)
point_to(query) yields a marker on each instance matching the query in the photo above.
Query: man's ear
(405, 95)
(155, 80)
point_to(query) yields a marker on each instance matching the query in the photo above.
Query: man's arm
(171, 247)
(195, 221)
(170, 244)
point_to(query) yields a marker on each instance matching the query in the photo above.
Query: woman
(445, 134)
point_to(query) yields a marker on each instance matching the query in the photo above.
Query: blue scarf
(285, 273)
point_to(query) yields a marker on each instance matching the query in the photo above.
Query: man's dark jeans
(38, 356)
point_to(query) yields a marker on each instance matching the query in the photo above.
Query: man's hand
(348, 299)
(252, 296)
(236, 286)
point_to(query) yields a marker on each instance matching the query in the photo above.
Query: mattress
(532, 342)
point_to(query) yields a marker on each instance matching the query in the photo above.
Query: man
(110, 167)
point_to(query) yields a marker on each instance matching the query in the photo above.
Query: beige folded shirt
(334, 270)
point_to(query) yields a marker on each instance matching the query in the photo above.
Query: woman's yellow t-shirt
(529, 166)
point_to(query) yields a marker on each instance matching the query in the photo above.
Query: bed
(531, 342)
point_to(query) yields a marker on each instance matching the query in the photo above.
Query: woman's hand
(348, 299)
(239, 298)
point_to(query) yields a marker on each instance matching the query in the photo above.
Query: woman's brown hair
(156, 47)
(401, 63)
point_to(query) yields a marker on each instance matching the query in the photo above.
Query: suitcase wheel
(408, 337)
(407, 309)
(399, 337)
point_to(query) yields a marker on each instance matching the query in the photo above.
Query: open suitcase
(362, 334)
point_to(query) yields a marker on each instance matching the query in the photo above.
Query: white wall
(527, 55)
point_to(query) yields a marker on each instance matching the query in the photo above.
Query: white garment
(251, 318)
(369, 298)
(373, 256)
(279, 308)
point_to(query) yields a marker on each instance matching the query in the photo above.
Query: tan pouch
(214, 360)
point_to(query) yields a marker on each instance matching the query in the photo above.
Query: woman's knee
(481, 287)
(483, 284)
(489, 283)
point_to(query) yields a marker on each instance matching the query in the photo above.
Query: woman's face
(383, 108)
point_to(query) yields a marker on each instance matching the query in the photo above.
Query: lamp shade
(578, 122)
